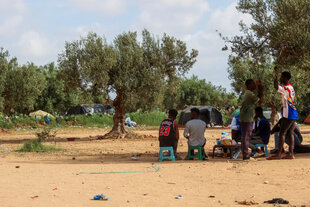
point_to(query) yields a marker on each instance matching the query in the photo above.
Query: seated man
(276, 130)
(169, 132)
(261, 132)
(195, 129)
(235, 129)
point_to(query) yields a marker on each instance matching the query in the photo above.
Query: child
(289, 115)
(247, 114)
(169, 131)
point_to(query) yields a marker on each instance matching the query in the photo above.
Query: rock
(266, 182)
(17, 166)
(73, 158)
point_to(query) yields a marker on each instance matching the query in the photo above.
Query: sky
(36, 30)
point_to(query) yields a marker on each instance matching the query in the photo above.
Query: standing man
(169, 132)
(247, 113)
(195, 129)
(289, 115)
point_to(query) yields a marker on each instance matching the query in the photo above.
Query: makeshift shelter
(208, 114)
(41, 113)
(91, 109)
(75, 110)
(307, 120)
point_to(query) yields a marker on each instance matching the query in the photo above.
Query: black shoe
(246, 158)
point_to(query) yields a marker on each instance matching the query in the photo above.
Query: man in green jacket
(246, 118)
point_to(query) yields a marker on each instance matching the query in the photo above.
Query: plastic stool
(161, 155)
(201, 155)
(265, 148)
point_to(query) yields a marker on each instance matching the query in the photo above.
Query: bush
(35, 145)
(148, 119)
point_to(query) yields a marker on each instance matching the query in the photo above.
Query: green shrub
(35, 145)
(148, 119)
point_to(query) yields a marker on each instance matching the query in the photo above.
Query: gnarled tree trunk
(118, 130)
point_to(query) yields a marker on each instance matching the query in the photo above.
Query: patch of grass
(149, 118)
(34, 145)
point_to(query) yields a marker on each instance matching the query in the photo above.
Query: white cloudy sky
(36, 30)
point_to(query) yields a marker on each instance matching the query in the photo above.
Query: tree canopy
(130, 68)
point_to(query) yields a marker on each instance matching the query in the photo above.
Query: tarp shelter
(75, 110)
(208, 114)
(40, 114)
(307, 120)
(90, 109)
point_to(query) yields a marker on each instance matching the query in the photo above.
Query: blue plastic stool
(265, 148)
(162, 157)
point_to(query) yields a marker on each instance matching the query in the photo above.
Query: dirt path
(54, 178)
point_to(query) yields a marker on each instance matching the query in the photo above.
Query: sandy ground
(54, 176)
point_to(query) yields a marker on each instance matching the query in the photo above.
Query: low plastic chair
(163, 157)
(265, 148)
(201, 155)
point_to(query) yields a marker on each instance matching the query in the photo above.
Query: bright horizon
(36, 31)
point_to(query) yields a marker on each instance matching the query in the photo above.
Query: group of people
(250, 126)
(262, 133)
(194, 131)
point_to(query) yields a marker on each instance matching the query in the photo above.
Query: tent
(307, 120)
(91, 109)
(75, 110)
(208, 114)
(41, 113)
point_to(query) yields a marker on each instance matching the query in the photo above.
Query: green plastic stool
(162, 157)
(201, 155)
(265, 148)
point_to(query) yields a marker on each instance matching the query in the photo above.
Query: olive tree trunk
(118, 130)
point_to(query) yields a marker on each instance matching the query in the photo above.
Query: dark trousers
(169, 143)
(246, 131)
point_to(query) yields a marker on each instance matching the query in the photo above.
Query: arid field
(54, 179)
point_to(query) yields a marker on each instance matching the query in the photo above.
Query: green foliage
(279, 36)
(281, 30)
(148, 119)
(134, 70)
(35, 145)
(192, 91)
(4, 64)
(22, 87)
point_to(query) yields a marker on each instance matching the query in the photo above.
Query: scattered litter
(134, 158)
(34, 197)
(145, 194)
(101, 197)
(247, 203)
(171, 183)
(6, 149)
(178, 197)
(211, 196)
(17, 166)
(55, 189)
(277, 201)
(266, 182)
(40, 151)
(73, 158)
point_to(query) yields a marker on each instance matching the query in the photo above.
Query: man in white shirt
(195, 129)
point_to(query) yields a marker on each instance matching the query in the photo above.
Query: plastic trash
(101, 197)
(178, 197)
(236, 155)
(6, 149)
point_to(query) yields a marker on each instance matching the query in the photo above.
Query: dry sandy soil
(53, 179)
